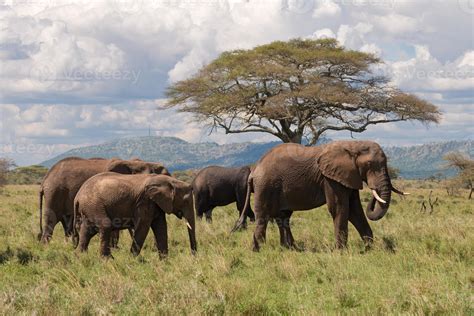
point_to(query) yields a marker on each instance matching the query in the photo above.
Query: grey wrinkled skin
(219, 186)
(109, 202)
(62, 182)
(294, 177)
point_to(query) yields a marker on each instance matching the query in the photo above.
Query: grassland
(421, 264)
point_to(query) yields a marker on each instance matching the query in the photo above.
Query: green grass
(420, 264)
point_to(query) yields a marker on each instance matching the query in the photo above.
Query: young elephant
(218, 186)
(63, 180)
(109, 201)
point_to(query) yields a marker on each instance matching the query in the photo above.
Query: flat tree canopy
(465, 166)
(295, 90)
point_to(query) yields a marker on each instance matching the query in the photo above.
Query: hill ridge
(418, 161)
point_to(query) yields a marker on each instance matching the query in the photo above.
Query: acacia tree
(295, 90)
(465, 167)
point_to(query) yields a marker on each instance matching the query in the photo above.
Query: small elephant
(295, 177)
(219, 186)
(63, 180)
(109, 202)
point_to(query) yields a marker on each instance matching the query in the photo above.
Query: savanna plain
(421, 263)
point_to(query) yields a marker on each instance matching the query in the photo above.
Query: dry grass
(421, 264)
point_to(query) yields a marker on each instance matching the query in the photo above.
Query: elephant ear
(158, 168)
(337, 163)
(119, 166)
(162, 195)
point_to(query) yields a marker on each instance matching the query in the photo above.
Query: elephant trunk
(191, 226)
(377, 209)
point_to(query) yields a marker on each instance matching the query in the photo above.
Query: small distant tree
(465, 166)
(296, 91)
(27, 175)
(5, 166)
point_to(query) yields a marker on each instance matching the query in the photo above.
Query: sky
(77, 73)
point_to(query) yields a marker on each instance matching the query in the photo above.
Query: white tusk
(377, 197)
(399, 192)
(189, 225)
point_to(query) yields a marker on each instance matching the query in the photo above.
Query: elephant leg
(86, 232)
(289, 235)
(75, 233)
(358, 219)
(260, 231)
(105, 233)
(50, 221)
(139, 236)
(114, 238)
(66, 222)
(337, 199)
(286, 237)
(209, 215)
(200, 203)
(160, 230)
(250, 214)
(282, 230)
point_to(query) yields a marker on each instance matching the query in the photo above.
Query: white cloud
(324, 33)
(396, 23)
(354, 37)
(424, 73)
(80, 72)
(188, 65)
(371, 48)
(467, 59)
(325, 8)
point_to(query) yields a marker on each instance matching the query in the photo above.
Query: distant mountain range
(423, 161)
(175, 153)
(414, 161)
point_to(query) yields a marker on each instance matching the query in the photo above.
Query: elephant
(218, 186)
(294, 177)
(109, 202)
(63, 180)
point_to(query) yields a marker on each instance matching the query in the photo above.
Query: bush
(185, 175)
(5, 165)
(27, 175)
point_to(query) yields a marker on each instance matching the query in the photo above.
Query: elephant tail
(41, 194)
(243, 215)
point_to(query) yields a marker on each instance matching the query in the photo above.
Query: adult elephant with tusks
(294, 177)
